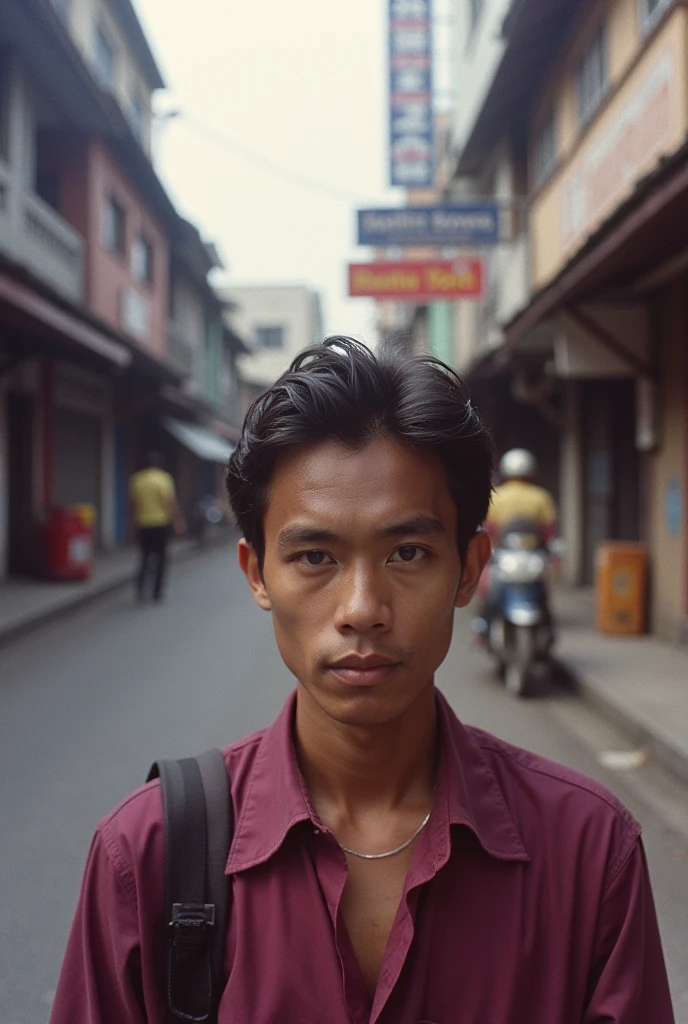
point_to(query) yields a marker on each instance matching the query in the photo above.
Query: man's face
(362, 575)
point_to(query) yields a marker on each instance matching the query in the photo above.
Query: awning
(202, 442)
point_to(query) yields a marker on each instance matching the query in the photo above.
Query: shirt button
(316, 831)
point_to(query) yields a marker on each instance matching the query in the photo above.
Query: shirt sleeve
(101, 982)
(549, 509)
(628, 980)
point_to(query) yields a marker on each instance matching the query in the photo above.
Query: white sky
(303, 83)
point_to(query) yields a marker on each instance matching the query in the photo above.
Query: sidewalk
(641, 683)
(25, 603)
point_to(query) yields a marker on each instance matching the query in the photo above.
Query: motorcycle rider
(518, 498)
(516, 503)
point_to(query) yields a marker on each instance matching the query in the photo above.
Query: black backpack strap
(197, 812)
(220, 830)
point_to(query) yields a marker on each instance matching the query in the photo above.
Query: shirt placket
(332, 871)
(431, 854)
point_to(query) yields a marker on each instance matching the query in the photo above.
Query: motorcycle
(516, 625)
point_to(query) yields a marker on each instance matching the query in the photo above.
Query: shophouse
(86, 231)
(583, 112)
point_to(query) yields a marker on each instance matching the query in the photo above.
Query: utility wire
(304, 181)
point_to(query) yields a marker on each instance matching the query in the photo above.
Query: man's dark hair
(340, 391)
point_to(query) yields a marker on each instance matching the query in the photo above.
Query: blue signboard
(469, 224)
(411, 123)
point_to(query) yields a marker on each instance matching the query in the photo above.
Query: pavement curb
(638, 728)
(117, 581)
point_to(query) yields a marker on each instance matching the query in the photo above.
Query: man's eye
(408, 553)
(314, 558)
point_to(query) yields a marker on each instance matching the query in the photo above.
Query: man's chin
(364, 708)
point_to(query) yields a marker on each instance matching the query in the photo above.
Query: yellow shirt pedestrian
(152, 496)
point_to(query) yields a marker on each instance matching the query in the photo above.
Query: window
(142, 260)
(545, 154)
(104, 59)
(591, 75)
(269, 337)
(650, 12)
(113, 226)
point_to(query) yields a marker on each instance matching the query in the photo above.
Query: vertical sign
(411, 142)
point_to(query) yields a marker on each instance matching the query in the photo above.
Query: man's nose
(364, 601)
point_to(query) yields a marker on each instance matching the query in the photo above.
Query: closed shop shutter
(78, 448)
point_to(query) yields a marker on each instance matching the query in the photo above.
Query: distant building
(277, 321)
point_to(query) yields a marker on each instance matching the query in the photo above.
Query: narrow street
(88, 702)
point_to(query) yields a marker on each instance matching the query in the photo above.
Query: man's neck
(358, 768)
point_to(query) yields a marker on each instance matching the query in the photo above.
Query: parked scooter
(516, 624)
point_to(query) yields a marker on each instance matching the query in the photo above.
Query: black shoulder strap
(198, 833)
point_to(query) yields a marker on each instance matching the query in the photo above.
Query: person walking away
(155, 509)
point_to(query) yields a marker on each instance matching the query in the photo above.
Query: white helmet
(518, 463)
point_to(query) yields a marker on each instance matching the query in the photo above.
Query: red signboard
(435, 279)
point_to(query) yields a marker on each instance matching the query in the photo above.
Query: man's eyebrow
(305, 536)
(416, 526)
(296, 536)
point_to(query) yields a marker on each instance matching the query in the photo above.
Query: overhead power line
(266, 163)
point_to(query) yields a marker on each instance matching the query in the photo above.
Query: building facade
(89, 374)
(585, 116)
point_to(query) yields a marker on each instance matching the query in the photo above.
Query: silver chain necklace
(389, 853)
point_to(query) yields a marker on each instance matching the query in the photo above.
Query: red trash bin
(69, 543)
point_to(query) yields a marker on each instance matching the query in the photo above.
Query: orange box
(620, 588)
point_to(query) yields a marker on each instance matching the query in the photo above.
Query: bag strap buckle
(189, 924)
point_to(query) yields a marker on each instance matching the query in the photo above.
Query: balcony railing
(52, 249)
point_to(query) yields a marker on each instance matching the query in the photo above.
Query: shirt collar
(473, 796)
(276, 797)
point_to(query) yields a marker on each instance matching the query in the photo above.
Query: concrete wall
(669, 545)
(296, 308)
(644, 118)
(479, 53)
(84, 16)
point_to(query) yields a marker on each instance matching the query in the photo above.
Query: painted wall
(645, 119)
(668, 524)
(109, 276)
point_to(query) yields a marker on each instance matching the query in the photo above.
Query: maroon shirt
(527, 902)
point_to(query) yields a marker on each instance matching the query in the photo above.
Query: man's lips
(367, 670)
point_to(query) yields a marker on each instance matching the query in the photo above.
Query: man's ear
(248, 562)
(477, 556)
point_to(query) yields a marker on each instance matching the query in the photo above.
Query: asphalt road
(88, 702)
